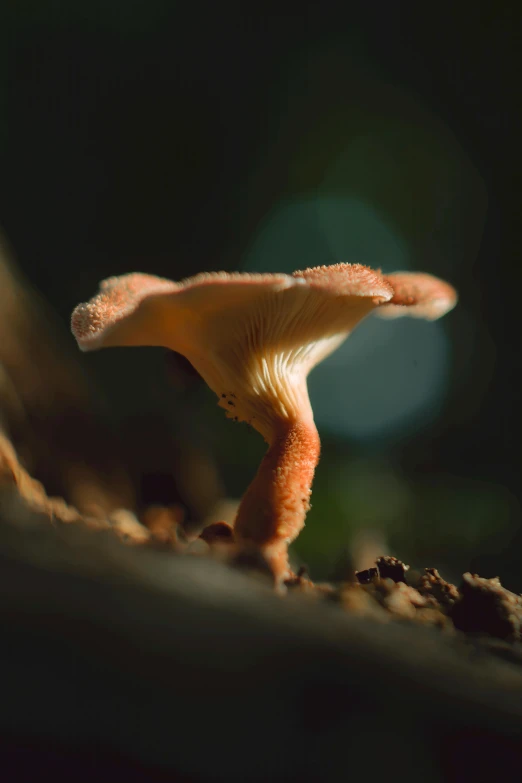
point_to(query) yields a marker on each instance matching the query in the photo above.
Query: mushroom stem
(273, 510)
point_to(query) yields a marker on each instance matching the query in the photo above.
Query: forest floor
(133, 651)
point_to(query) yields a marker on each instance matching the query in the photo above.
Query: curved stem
(273, 510)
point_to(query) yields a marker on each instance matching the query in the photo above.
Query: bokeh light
(388, 376)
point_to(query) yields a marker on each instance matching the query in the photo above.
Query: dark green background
(158, 136)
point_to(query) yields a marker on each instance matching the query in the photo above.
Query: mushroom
(254, 338)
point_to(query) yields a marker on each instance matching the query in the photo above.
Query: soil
(389, 590)
(135, 651)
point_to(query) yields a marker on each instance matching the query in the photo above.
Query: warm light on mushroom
(254, 339)
(418, 295)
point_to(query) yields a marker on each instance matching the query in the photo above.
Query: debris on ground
(387, 591)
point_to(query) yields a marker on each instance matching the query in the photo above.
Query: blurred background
(174, 138)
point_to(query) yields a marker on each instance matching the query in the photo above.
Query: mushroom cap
(118, 300)
(137, 309)
(128, 309)
(418, 295)
(253, 337)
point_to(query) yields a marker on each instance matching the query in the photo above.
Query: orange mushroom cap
(418, 295)
(253, 337)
